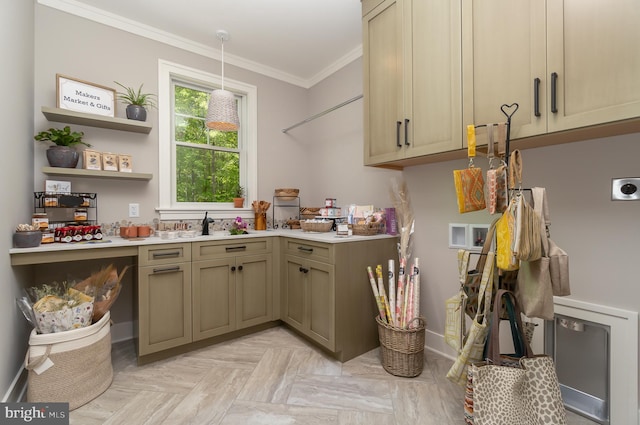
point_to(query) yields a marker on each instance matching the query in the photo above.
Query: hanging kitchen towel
(469, 182)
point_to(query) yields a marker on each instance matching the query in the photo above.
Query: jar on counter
(40, 220)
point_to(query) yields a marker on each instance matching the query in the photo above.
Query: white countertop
(115, 242)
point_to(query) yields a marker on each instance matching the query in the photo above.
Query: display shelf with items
(93, 120)
(285, 202)
(61, 208)
(77, 172)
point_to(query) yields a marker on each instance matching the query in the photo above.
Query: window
(199, 168)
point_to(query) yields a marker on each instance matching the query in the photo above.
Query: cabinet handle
(406, 132)
(398, 124)
(554, 92)
(240, 268)
(235, 248)
(167, 269)
(233, 268)
(305, 249)
(303, 270)
(536, 97)
(166, 254)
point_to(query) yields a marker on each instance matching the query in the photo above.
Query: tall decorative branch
(404, 214)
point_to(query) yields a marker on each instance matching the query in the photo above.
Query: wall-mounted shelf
(93, 120)
(78, 172)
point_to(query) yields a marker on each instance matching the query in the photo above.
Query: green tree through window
(207, 161)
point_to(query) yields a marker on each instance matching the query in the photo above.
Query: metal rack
(61, 206)
(276, 204)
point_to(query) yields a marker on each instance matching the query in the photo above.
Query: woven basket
(81, 368)
(316, 226)
(402, 350)
(367, 229)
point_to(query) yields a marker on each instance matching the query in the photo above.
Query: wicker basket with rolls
(316, 225)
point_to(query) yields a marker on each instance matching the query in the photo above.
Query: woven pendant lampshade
(222, 113)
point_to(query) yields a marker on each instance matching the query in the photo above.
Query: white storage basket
(70, 367)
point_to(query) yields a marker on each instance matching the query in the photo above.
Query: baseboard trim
(121, 332)
(18, 389)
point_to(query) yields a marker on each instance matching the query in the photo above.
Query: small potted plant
(62, 152)
(238, 197)
(137, 102)
(238, 227)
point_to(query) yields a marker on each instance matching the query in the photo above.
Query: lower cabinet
(189, 292)
(164, 297)
(231, 293)
(194, 291)
(309, 288)
(326, 294)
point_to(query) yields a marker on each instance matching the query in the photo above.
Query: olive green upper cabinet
(411, 79)
(567, 63)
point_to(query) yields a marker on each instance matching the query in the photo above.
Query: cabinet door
(293, 292)
(433, 98)
(320, 281)
(254, 290)
(164, 307)
(382, 82)
(594, 48)
(504, 51)
(213, 298)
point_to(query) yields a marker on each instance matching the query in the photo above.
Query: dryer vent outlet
(625, 189)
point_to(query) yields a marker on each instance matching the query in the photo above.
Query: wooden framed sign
(81, 96)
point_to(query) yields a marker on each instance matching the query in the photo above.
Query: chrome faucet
(205, 224)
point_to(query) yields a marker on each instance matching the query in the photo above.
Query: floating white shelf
(78, 172)
(93, 120)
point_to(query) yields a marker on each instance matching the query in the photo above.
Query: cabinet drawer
(312, 250)
(217, 249)
(150, 255)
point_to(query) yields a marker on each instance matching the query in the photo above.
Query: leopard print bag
(524, 395)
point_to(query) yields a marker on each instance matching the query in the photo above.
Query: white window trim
(166, 161)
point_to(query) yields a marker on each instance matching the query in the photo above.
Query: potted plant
(62, 152)
(136, 101)
(238, 197)
(238, 227)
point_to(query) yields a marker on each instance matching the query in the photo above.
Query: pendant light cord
(222, 40)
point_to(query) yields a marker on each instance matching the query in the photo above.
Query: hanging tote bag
(455, 323)
(508, 359)
(535, 288)
(473, 278)
(526, 241)
(469, 182)
(558, 258)
(528, 394)
(474, 344)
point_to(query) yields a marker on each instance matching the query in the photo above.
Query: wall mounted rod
(346, 102)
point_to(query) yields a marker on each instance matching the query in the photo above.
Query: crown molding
(134, 27)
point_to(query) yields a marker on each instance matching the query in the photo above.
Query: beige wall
(86, 50)
(16, 118)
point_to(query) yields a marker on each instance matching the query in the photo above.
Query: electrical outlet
(625, 189)
(134, 210)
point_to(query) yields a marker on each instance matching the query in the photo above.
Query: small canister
(40, 220)
(330, 202)
(80, 214)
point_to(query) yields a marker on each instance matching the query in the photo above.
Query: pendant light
(222, 113)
